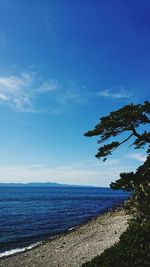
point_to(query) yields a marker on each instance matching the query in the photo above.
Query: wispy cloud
(48, 86)
(15, 82)
(3, 97)
(30, 92)
(137, 156)
(27, 91)
(69, 95)
(118, 93)
(15, 90)
(49, 23)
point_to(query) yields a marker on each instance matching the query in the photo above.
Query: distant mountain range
(50, 184)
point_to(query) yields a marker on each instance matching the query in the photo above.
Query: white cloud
(15, 90)
(82, 173)
(137, 156)
(24, 91)
(118, 93)
(13, 83)
(3, 97)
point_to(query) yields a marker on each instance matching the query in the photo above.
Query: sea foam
(18, 250)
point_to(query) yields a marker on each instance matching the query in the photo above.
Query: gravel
(76, 247)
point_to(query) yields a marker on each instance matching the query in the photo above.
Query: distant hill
(49, 184)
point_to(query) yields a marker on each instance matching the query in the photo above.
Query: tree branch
(124, 141)
(135, 133)
(142, 137)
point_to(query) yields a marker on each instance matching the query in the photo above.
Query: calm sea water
(30, 214)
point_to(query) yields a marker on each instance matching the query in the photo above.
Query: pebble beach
(75, 247)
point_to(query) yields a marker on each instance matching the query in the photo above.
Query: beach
(75, 247)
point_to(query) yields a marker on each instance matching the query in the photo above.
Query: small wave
(17, 250)
(72, 228)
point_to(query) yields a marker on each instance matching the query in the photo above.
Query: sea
(30, 214)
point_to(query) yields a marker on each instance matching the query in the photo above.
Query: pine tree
(128, 121)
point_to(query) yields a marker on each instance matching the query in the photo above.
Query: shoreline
(75, 246)
(18, 250)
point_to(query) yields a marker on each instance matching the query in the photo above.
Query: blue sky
(63, 65)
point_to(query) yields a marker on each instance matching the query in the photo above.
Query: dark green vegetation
(133, 248)
(124, 120)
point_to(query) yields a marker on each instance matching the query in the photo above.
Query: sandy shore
(76, 247)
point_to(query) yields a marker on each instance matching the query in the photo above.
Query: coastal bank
(76, 247)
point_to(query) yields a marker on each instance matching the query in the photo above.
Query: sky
(63, 65)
